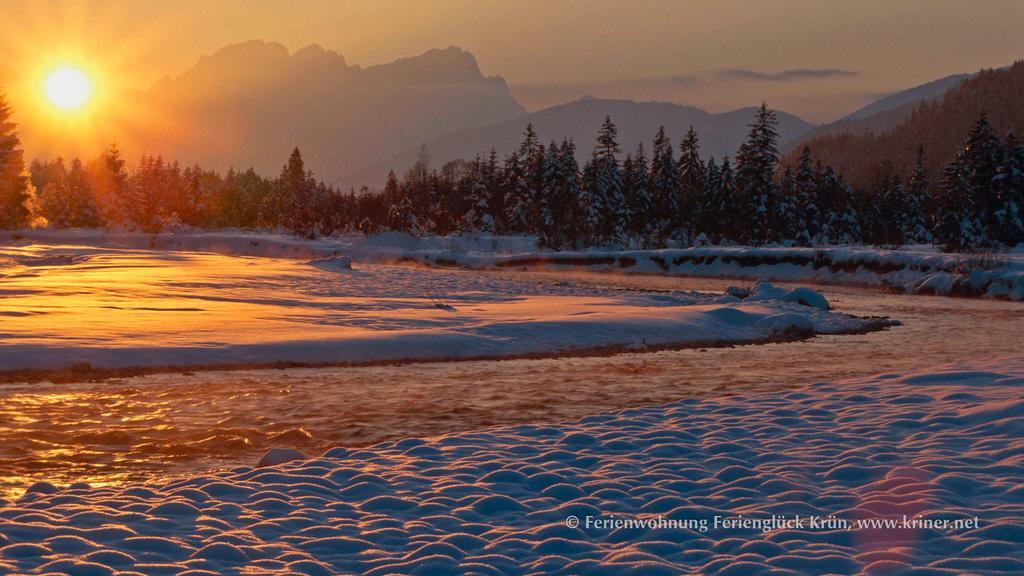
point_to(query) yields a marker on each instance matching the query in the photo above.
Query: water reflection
(171, 424)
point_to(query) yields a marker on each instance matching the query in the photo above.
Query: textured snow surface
(113, 307)
(947, 444)
(914, 269)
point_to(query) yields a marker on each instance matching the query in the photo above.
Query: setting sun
(67, 88)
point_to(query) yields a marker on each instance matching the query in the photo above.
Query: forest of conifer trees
(636, 198)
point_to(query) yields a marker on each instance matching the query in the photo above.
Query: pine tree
(478, 216)
(784, 216)
(917, 224)
(606, 197)
(517, 195)
(708, 216)
(14, 190)
(757, 161)
(801, 208)
(1009, 216)
(956, 228)
(664, 182)
(982, 158)
(691, 184)
(893, 213)
(569, 213)
(109, 179)
(730, 224)
(638, 205)
(548, 235)
(840, 221)
(495, 192)
(400, 216)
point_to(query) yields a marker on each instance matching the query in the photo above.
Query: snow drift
(114, 307)
(939, 445)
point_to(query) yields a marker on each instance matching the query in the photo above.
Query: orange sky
(716, 54)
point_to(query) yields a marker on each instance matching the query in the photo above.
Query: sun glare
(67, 88)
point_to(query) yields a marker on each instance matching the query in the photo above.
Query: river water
(166, 425)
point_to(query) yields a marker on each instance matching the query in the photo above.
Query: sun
(67, 88)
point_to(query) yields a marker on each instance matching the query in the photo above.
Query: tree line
(639, 199)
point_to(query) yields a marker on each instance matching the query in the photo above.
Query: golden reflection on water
(161, 425)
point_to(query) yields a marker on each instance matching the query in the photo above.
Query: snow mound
(332, 263)
(804, 296)
(276, 456)
(787, 324)
(129, 308)
(636, 491)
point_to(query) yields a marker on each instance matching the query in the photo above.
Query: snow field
(942, 444)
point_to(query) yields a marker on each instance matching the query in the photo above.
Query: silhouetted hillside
(249, 104)
(940, 125)
(720, 134)
(885, 113)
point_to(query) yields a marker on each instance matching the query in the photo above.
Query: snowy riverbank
(939, 446)
(109, 308)
(914, 269)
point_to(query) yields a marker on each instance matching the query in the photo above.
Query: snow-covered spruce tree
(917, 224)
(67, 200)
(708, 216)
(478, 217)
(639, 207)
(588, 186)
(691, 185)
(14, 190)
(1009, 216)
(108, 178)
(568, 211)
(982, 158)
(894, 212)
(956, 228)
(531, 156)
(295, 195)
(606, 197)
(664, 183)
(495, 192)
(548, 232)
(728, 202)
(400, 217)
(756, 163)
(805, 215)
(517, 195)
(784, 216)
(840, 221)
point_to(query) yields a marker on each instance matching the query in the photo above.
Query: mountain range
(259, 101)
(354, 124)
(720, 134)
(939, 124)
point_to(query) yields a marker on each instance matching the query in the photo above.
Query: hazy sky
(818, 59)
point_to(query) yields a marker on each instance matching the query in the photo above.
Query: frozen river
(170, 424)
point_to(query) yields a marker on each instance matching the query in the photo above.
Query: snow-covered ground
(113, 307)
(915, 269)
(939, 454)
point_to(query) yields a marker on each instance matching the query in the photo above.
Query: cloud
(787, 75)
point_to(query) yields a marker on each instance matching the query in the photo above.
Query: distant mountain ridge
(940, 125)
(720, 134)
(258, 101)
(887, 112)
